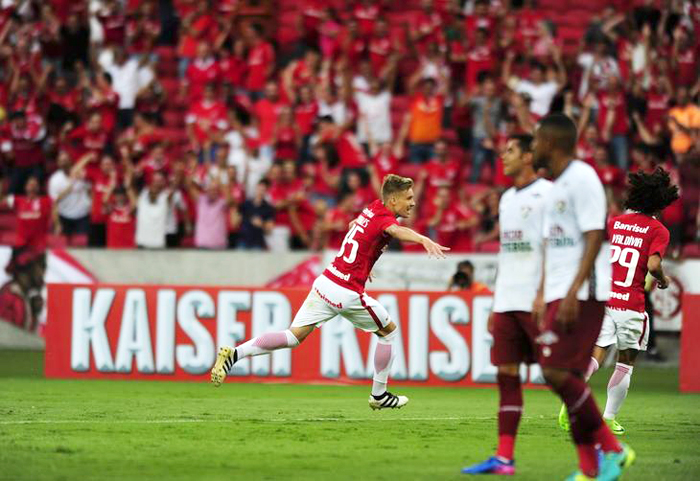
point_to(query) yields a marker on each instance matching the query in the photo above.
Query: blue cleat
(622, 460)
(493, 465)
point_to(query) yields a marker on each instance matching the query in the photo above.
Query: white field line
(274, 420)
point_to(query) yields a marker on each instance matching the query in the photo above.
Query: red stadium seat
(490, 247)
(691, 250)
(7, 238)
(80, 240)
(57, 241)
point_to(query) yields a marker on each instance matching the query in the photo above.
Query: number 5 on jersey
(350, 240)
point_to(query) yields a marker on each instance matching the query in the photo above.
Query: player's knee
(628, 356)
(509, 369)
(386, 330)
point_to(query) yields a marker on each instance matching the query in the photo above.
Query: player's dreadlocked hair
(650, 193)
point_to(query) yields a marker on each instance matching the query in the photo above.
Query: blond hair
(393, 183)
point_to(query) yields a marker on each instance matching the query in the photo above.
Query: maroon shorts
(514, 336)
(571, 349)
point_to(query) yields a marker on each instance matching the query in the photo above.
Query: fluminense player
(340, 290)
(511, 323)
(638, 244)
(571, 301)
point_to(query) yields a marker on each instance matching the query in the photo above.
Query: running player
(638, 243)
(340, 290)
(571, 301)
(519, 271)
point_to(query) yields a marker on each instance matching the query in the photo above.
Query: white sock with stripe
(617, 389)
(383, 356)
(266, 343)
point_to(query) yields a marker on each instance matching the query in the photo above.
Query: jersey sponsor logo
(334, 270)
(338, 305)
(557, 238)
(516, 247)
(628, 240)
(620, 296)
(630, 227)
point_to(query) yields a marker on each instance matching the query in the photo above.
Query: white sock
(266, 343)
(383, 356)
(592, 368)
(617, 389)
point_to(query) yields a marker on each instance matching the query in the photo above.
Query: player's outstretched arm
(409, 235)
(655, 269)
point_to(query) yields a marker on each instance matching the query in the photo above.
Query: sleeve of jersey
(590, 204)
(385, 221)
(659, 241)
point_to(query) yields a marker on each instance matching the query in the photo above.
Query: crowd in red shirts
(192, 123)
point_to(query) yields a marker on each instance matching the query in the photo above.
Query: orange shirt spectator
(684, 122)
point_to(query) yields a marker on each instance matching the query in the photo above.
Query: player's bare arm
(539, 306)
(655, 269)
(409, 235)
(569, 307)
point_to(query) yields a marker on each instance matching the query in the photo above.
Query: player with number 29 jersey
(634, 238)
(362, 246)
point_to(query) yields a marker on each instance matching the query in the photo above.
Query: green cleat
(564, 419)
(624, 458)
(579, 476)
(615, 427)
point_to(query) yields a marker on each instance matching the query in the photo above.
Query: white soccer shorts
(327, 300)
(625, 328)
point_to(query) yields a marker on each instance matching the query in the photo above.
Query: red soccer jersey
(260, 57)
(613, 101)
(633, 239)
(100, 184)
(33, 217)
(362, 246)
(440, 174)
(121, 228)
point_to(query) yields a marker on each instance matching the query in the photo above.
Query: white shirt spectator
(127, 79)
(541, 95)
(77, 202)
(375, 116)
(151, 220)
(596, 71)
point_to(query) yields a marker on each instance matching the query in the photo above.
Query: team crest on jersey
(525, 211)
(560, 206)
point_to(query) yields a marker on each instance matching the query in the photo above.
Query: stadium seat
(691, 250)
(57, 241)
(7, 238)
(490, 247)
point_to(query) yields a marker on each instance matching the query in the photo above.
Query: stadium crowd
(190, 123)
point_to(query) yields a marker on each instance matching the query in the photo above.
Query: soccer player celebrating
(570, 302)
(638, 243)
(511, 323)
(340, 290)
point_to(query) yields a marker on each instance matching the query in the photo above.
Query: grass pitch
(97, 430)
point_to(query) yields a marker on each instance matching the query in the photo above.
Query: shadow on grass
(27, 364)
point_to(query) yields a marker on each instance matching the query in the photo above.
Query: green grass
(83, 430)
